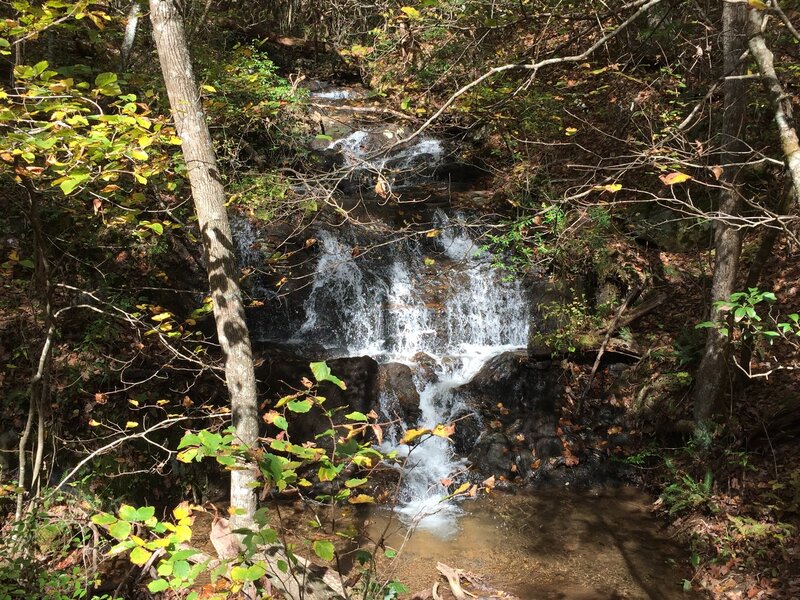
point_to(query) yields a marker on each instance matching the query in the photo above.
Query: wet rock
(492, 455)
(517, 402)
(280, 371)
(469, 427)
(425, 367)
(396, 381)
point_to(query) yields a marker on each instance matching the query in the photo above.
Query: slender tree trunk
(301, 581)
(130, 34)
(782, 102)
(209, 203)
(712, 375)
(787, 132)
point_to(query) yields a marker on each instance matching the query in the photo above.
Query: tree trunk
(130, 34)
(301, 581)
(209, 204)
(712, 374)
(782, 102)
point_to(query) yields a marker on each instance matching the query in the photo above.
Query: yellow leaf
(412, 434)
(131, 425)
(758, 4)
(411, 12)
(183, 533)
(93, 423)
(444, 431)
(673, 178)
(133, 402)
(611, 187)
(361, 499)
(161, 316)
(181, 511)
(162, 402)
(570, 131)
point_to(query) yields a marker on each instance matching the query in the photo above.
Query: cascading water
(436, 299)
(380, 305)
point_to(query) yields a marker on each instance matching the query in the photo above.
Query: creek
(428, 298)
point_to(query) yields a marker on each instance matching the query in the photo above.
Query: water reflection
(562, 545)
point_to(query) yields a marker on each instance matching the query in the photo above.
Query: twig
(633, 294)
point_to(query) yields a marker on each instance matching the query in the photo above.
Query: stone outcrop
(396, 383)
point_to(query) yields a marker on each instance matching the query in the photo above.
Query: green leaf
(139, 556)
(390, 553)
(323, 549)
(158, 585)
(104, 519)
(322, 372)
(299, 406)
(138, 154)
(120, 530)
(157, 227)
(104, 79)
(356, 416)
(281, 423)
(145, 512)
(238, 573)
(181, 569)
(255, 572)
(351, 483)
(68, 185)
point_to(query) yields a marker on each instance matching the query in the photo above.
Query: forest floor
(737, 505)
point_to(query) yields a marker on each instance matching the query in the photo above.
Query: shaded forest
(216, 215)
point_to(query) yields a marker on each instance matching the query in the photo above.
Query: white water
(359, 145)
(365, 306)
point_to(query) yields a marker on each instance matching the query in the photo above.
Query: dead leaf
(674, 178)
(382, 187)
(717, 171)
(376, 429)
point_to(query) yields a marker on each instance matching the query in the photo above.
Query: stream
(435, 304)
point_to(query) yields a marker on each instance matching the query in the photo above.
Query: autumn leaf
(674, 178)
(361, 499)
(382, 187)
(444, 431)
(412, 434)
(612, 188)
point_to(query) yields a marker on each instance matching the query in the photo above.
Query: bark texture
(713, 373)
(303, 580)
(780, 100)
(209, 202)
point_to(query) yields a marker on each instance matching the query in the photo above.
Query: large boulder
(279, 372)
(517, 401)
(400, 395)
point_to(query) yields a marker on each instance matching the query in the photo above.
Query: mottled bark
(302, 581)
(781, 101)
(209, 203)
(713, 374)
(130, 34)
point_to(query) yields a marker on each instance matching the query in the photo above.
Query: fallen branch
(453, 579)
(633, 294)
(640, 310)
(366, 109)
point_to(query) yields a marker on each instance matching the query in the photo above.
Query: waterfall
(436, 296)
(381, 305)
